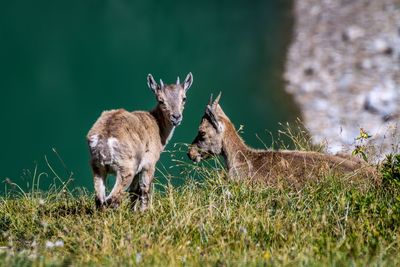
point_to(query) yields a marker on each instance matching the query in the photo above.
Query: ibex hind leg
(134, 191)
(123, 180)
(99, 180)
(146, 177)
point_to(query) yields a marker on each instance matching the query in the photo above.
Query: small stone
(315, 10)
(380, 46)
(366, 64)
(49, 244)
(352, 33)
(138, 257)
(243, 230)
(59, 243)
(309, 71)
(388, 51)
(345, 81)
(382, 100)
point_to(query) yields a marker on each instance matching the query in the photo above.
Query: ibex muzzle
(208, 141)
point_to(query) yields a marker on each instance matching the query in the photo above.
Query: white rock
(354, 32)
(380, 45)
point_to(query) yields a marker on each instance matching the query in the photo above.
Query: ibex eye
(161, 102)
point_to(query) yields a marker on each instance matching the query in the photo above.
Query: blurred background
(343, 69)
(63, 62)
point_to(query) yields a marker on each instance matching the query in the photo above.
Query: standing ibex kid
(129, 144)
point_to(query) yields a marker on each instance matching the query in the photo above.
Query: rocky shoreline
(343, 69)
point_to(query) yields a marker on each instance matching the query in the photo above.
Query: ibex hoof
(100, 205)
(112, 203)
(144, 207)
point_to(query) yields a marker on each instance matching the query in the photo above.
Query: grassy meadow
(212, 221)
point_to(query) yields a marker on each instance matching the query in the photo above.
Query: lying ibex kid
(217, 136)
(128, 144)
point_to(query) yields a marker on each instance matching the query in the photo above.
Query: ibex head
(171, 97)
(209, 138)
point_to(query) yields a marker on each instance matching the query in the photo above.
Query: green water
(63, 62)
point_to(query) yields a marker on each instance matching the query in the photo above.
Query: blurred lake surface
(63, 62)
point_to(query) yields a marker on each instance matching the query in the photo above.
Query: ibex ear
(188, 81)
(152, 83)
(214, 119)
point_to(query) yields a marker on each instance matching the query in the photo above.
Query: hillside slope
(343, 68)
